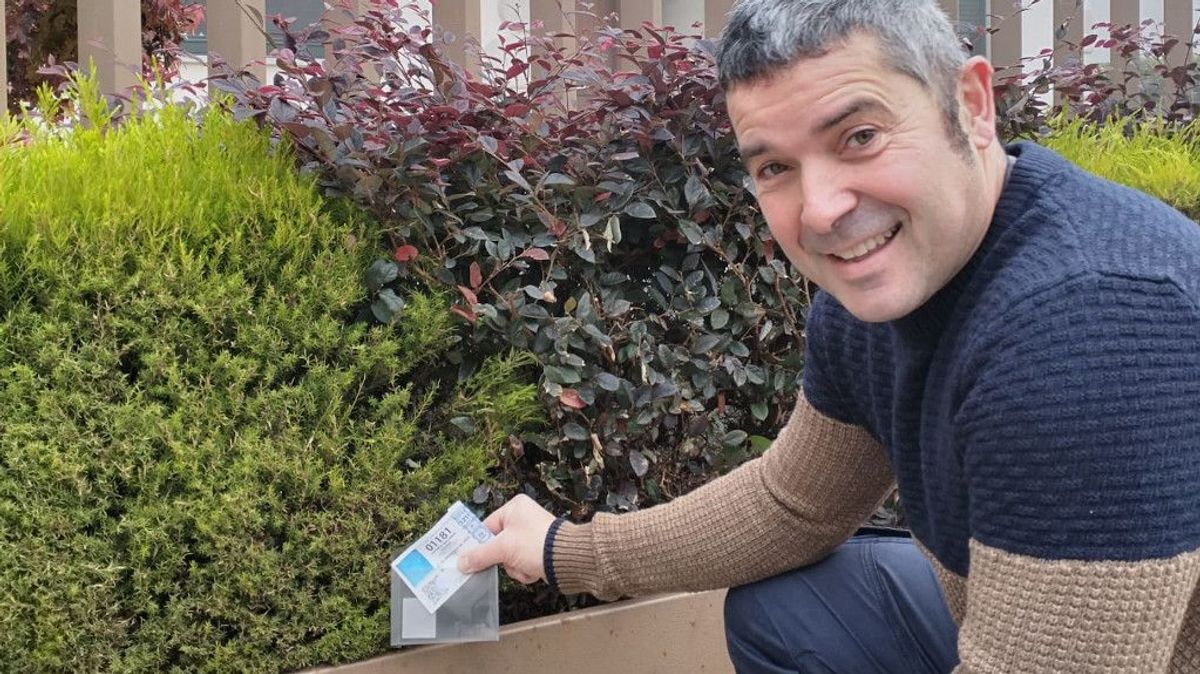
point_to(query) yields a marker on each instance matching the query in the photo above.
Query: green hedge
(205, 461)
(1162, 160)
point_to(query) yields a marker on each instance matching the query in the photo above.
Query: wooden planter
(660, 635)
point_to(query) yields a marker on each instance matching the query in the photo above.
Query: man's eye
(861, 138)
(771, 169)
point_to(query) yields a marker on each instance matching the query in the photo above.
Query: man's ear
(977, 101)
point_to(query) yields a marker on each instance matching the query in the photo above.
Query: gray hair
(915, 38)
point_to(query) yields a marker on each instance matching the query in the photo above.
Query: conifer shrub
(1153, 156)
(207, 458)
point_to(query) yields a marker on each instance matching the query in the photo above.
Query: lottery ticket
(429, 567)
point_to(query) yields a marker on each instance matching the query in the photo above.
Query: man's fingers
(495, 521)
(499, 517)
(481, 556)
(521, 578)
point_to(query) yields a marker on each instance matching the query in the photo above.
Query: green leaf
(595, 333)
(705, 343)
(695, 191)
(562, 375)
(388, 306)
(640, 209)
(618, 308)
(759, 444)
(587, 254)
(574, 431)
(381, 273)
(553, 179)
(759, 410)
(463, 424)
(692, 231)
(612, 231)
(607, 381)
(519, 179)
(708, 304)
(734, 438)
(719, 319)
(755, 374)
(638, 462)
(729, 293)
(590, 218)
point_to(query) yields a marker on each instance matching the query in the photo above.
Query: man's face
(859, 181)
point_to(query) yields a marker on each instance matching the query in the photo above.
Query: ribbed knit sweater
(1041, 416)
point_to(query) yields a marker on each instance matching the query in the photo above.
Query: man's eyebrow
(751, 151)
(855, 107)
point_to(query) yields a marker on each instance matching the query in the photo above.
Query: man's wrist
(569, 556)
(548, 552)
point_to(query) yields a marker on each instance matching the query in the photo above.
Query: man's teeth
(868, 245)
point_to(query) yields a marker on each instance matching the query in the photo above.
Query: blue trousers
(872, 605)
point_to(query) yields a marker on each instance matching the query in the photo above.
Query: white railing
(110, 30)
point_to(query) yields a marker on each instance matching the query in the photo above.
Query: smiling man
(1012, 341)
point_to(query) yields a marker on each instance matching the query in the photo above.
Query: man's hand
(520, 526)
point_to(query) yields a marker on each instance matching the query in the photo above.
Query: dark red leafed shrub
(38, 31)
(586, 205)
(1151, 79)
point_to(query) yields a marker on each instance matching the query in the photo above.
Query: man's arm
(1081, 441)
(819, 480)
(808, 493)
(1037, 616)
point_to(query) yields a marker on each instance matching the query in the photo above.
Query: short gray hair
(915, 38)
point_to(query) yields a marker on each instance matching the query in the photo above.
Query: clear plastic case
(472, 613)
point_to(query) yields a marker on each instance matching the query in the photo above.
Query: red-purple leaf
(459, 311)
(570, 398)
(468, 295)
(405, 253)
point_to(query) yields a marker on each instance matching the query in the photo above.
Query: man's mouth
(867, 247)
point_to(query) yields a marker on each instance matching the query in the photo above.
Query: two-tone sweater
(1040, 415)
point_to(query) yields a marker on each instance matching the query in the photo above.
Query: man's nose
(826, 199)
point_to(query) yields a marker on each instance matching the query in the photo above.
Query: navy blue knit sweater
(1047, 401)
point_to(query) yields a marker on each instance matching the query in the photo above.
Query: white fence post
(1006, 42)
(716, 13)
(1068, 14)
(235, 34)
(634, 12)
(343, 13)
(110, 36)
(1181, 21)
(460, 18)
(3, 67)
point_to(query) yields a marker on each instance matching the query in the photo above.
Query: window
(306, 13)
(972, 19)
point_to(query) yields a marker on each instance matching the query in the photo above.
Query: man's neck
(997, 165)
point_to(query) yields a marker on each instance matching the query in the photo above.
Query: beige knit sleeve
(1034, 615)
(809, 492)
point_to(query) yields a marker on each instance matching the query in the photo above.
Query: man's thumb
(477, 558)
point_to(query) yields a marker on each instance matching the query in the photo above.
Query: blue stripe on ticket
(414, 567)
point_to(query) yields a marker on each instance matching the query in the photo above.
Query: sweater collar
(1029, 166)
